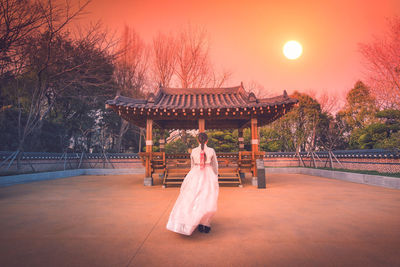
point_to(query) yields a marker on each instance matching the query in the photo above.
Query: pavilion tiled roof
(200, 98)
(222, 108)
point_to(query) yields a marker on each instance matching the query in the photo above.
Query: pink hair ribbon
(202, 161)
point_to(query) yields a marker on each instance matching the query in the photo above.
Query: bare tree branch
(382, 59)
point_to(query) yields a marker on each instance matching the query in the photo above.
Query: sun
(292, 50)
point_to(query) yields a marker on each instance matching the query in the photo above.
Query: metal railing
(54, 156)
(365, 153)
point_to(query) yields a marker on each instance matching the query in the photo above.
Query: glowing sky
(247, 36)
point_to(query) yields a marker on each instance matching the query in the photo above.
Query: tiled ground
(298, 220)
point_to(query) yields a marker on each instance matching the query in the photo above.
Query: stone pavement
(298, 220)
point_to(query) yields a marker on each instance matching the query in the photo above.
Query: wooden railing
(158, 162)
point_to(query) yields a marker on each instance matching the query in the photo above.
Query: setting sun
(292, 50)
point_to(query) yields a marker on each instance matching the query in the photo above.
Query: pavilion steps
(174, 176)
(229, 176)
(226, 176)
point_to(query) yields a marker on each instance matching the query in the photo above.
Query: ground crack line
(151, 230)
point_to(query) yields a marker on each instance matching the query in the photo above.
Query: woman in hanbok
(197, 201)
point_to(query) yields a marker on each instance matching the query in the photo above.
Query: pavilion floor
(298, 220)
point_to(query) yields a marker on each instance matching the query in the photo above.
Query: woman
(197, 201)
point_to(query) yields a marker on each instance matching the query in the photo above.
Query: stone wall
(376, 180)
(371, 160)
(48, 162)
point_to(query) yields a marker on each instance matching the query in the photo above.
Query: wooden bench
(177, 168)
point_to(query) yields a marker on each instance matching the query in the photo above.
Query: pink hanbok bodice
(210, 158)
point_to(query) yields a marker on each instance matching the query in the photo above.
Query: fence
(44, 162)
(373, 159)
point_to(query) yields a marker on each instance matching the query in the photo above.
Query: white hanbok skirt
(197, 201)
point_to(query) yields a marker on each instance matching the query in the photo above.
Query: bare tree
(130, 71)
(331, 136)
(54, 65)
(258, 89)
(43, 94)
(382, 58)
(164, 59)
(19, 19)
(193, 64)
(131, 64)
(183, 60)
(220, 78)
(329, 103)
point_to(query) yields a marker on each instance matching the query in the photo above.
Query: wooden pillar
(254, 148)
(162, 141)
(241, 139)
(254, 135)
(241, 148)
(148, 180)
(162, 149)
(149, 135)
(202, 125)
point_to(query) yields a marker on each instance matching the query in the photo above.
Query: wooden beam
(178, 124)
(194, 124)
(244, 124)
(156, 124)
(202, 125)
(224, 124)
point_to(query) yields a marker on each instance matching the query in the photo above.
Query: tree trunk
(140, 140)
(122, 130)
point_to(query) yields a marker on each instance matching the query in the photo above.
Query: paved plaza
(298, 220)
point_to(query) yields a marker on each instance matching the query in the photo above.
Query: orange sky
(247, 36)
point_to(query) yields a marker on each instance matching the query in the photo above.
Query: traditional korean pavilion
(202, 109)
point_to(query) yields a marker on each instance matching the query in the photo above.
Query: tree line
(311, 126)
(54, 80)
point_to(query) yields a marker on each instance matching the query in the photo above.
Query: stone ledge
(34, 177)
(368, 179)
(376, 180)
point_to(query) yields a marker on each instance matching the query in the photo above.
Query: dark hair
(202, 140)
